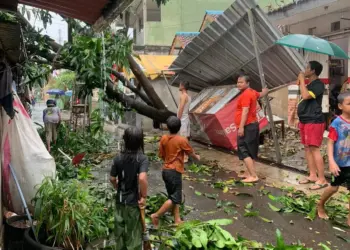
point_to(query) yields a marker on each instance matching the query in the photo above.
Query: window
(312, 31)
(154, 13)
(335, 26)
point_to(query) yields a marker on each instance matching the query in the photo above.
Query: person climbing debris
(129, 177)
(172, 149)
(338, 148)
(52, 119)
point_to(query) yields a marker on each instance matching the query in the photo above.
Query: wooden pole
(263, 85)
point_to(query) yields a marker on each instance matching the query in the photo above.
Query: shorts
(51, 131)
(311, 134)
(128, 222)
(248, 145)
(173, 185)
(343, 178)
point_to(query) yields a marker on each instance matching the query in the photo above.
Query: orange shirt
(172, 149)
(247, 99)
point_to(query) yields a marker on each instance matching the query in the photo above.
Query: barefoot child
(172, 149)
(338, 153)
(129, 177)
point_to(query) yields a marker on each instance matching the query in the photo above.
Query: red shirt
(247, 99)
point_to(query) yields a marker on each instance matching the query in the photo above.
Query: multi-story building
(155, 25)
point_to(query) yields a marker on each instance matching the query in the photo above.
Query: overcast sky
(58, 30)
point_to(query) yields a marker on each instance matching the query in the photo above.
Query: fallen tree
(85, 56)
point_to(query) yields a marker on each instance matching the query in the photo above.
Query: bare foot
(322, 212)
(177, 223)
(244, 175)
(251, 180)
(155, 220)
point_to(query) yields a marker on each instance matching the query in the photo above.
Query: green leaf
(229, 211)
(273, 208)
(280, 240)
(203, 238)
(211, 196)
(324, 247)
(251, 213)
(249, 205)
(196, 241)
(265, 219)
(220, 222)
(271, 197)
(225, 190)
(343, 238)
(198, 193)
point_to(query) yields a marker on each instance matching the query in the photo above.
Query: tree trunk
(140, 107)
(70, 32)
(128, 84)
(147, 86)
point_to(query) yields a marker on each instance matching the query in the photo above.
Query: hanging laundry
(6, 99)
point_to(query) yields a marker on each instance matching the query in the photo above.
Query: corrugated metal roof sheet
(225, 49)
(86, 10)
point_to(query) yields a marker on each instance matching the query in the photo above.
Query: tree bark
(128, 84)
(140, 107)
(147, 86)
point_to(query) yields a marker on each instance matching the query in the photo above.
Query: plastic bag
(23, 148)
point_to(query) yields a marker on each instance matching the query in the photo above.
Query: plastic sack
(23, 148)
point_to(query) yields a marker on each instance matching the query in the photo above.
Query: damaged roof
(98, 13)
(225, 49)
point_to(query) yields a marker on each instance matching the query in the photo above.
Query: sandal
(306, 181)
(318, 186)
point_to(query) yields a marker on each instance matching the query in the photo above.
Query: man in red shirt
(248, 127)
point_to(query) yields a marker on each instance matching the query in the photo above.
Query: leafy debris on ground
(152, 156)
(298, 201)
(200, 169)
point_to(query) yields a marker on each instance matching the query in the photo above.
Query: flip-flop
(319, 186)
(306, 181)
(252, 182)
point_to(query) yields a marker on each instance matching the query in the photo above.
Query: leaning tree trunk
(158, 112)
(128, 84)
(141, 107)
(147, 86)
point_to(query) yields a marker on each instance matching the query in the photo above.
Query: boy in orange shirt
(172, 149)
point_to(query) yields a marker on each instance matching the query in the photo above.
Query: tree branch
(147, 86)
(128, 84)
(140, 107)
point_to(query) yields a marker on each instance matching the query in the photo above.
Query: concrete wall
(279, 103)
(322, 23)
(160, 87)
(180, 15)
(151, 50)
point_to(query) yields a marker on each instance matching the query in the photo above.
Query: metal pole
(23, 200)
(263, 85)
(171, 93)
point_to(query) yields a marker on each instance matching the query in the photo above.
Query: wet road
(253, 228)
